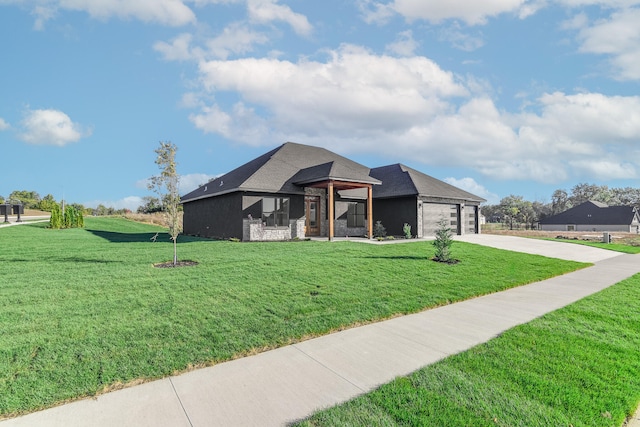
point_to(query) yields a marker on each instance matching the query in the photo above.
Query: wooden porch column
(370, 211)
(331, 210)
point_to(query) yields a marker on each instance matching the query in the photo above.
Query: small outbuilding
(594, 216)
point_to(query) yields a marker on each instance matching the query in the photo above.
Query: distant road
(25, 219)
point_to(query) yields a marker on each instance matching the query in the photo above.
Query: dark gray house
(301, 191)
(594, 216)
(409, 196)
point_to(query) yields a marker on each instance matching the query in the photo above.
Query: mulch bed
(169, 264)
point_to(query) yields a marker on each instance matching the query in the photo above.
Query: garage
(433, 212)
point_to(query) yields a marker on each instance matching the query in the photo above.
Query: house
(298, 191)
(409, 196)
(594, 216)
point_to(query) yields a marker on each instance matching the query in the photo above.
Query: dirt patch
(170, 264)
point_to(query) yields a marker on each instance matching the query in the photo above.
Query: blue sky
(497, 97)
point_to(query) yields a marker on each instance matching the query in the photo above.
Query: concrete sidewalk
(283, 385)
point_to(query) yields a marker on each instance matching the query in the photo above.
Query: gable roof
(399, 180)
(284, 170)
(594, 213)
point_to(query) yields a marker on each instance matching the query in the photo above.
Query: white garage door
(433, 212)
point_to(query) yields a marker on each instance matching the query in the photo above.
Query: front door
(312, 210)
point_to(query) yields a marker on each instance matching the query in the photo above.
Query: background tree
(1, 200)
(151, 205)
(29, 199)
(47, 203)
(510, 207)
(527, 214)
(584, 192)
(541, 210)
(560, 202)
(626, 196)
(166, 186)
(492, 213)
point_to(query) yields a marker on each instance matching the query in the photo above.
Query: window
(356, 214)
(275, 211)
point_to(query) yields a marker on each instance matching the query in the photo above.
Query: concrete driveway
(548, 248)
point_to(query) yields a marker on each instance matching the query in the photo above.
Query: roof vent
(205, 188)
(221, 183)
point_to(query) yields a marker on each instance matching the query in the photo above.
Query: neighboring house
(298, 191)
(594, 216)
(409, 196)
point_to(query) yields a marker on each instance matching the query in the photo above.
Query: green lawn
(617, 247)
(578, 366)
(84, 310)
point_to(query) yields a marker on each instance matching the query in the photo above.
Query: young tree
(166, 186)
(443, 242)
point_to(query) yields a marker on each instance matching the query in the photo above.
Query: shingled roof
(399, 180)
(285, 169)
(593, 213)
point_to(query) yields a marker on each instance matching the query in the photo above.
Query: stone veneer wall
(254, 231)
(341, 229)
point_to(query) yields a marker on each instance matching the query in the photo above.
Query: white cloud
(459, 39)
(166, 12)
(617, 37)
(42, 14)
(131, 202)
(267, 11)
(186, 184)
(611, 4)
(192, 181)
(3, 124)
(405, 45)
(50, 127)
(472, 12)
(235, 39)
(470, 185)
(178, 50)
(354, 88)
(373, 12)
(358, 102)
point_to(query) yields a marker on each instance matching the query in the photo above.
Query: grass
(617, 247)
(577, 366)
(84, 311)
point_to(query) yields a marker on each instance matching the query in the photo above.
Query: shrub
(379, 231)
(70, 218)
(406, 229)
(55, 221)
(443, 242)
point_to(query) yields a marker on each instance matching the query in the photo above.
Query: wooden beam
(331, 209)
(370, 211)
